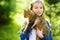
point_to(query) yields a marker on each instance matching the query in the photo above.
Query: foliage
(14, 9)
(6, 6)
(54, 15)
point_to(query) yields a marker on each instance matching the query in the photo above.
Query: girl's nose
(38, 10)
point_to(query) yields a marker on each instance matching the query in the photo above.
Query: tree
(5, 8)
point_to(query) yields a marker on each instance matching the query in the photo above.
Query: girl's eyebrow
(36, 7)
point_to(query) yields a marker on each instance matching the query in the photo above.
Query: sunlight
(18, 19)
(2, 3)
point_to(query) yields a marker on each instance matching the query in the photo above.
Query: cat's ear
(25, 15)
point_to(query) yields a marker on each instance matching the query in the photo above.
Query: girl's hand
(39, 33)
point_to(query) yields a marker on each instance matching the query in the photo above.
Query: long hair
(31, 17)
(42, 19)
(39, 1)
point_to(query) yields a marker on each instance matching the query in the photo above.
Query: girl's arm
(47, 38)
(44, 37)
(24, 36)
(50, 35)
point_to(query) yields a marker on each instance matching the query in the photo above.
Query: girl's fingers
(39, 33)
(40, 30)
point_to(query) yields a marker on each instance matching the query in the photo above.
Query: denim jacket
(26, 36)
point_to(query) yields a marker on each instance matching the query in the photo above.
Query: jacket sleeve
(25, 36)
(50, 34)
(22, 36)
(47, 38)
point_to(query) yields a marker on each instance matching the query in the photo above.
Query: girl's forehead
(37, 4)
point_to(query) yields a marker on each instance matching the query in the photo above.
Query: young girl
(33, 32)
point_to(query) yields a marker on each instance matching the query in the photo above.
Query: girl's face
(38, 8)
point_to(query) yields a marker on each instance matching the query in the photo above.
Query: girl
(33, 32)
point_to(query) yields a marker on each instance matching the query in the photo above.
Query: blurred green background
(11, 17)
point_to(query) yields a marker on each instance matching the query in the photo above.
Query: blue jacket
(26, 36)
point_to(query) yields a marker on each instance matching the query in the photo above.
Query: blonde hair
(38, 1)
(42, 18)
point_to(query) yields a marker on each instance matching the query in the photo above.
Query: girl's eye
(36, 7)
(41, 7)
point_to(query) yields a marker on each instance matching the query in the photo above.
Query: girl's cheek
(42, 11)
(36, 11)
